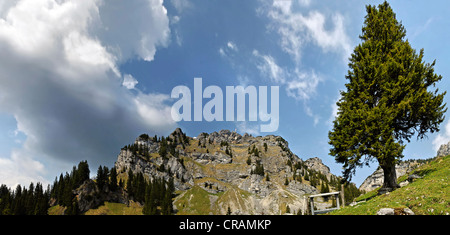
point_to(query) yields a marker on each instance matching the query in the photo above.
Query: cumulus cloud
(133, 28)
(129, 81)
(297, 29)
(61, 79)
(21, 168)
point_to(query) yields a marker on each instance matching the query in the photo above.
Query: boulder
(376, 179)
(444, 150)
(385, 211)
(396, 211)
(90, 196)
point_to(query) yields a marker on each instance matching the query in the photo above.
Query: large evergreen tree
(390, 98)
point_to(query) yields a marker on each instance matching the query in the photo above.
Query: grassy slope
(427, 196)
(109, 208)
(194, 201)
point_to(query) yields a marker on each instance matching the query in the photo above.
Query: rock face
(221, 170)
(396, 211)
(90, 196)
(376, 179)
(316, 164)
(444, 150)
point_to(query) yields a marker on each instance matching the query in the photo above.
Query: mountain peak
(261, 172)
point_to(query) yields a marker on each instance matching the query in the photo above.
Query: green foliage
(24, 201)
(163, 147)
(387, 100)
(156, 195)
(249, 160)
(253, 151)
(324, 188)
(259, 169)
(35, 201)
(102, 177)
(426, 196)
(144, 137)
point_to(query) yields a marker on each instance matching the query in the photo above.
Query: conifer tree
(149, 205)
(113, 179)
(390, 97)
(228, 211)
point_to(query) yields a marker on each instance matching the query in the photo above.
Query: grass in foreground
(427, 196)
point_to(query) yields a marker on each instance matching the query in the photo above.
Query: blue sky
(82, 79)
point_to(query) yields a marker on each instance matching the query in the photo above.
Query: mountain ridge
(215, 173)
(261, 172)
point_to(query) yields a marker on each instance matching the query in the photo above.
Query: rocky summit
(225, 172)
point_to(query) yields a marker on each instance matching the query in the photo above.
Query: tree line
(156, 195)
(24, 201)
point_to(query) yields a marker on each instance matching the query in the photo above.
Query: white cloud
(299, 85)
(21, 169)
(232, 46)
(181, 5)
(222, 52)
(442, 137)
(133, 28)
(270, 68)
(229, 51)
(297, 29)
(61, 79)
(154, 112)
(303, 85)
(421, 28)
(246, 127)
(129, 81)
(305, 2)
(283, 5)
(243, 80)
(334, 111)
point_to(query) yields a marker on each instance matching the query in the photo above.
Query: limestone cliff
(221, 170)
(375, 180)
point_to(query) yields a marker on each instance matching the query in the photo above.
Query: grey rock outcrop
(90, 196)
(392, 211)
(317, 165)
(376, 179)
(206, 158)
(128, 161)
(444, 150)
(227, 165)
(385, 211)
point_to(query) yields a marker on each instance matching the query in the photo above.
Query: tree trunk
(390, 179)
